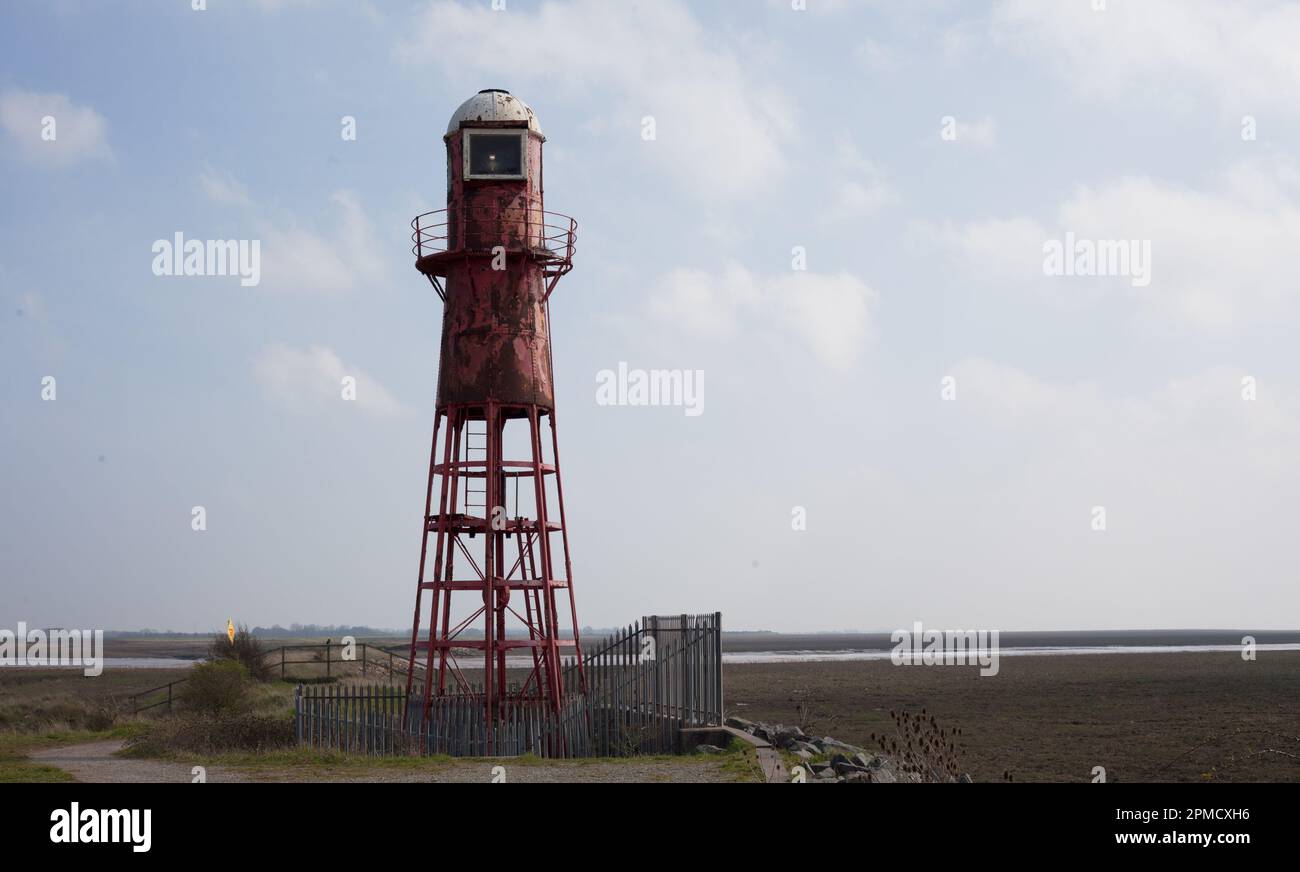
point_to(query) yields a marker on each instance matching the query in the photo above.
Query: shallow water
(128, 663)
(817, 656)
(801, 656)
(876, 654)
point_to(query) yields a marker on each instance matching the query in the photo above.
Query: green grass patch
(741, 762)
(17, 768)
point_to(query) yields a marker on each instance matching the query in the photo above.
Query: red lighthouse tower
(495, 549)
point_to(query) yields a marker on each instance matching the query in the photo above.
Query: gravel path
(94, 762)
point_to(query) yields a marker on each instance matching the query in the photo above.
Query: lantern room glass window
(494, 154)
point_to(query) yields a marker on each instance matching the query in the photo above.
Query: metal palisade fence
(643, 685)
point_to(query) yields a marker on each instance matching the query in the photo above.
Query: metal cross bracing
(499, 541)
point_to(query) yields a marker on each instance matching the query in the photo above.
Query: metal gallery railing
(550, 236)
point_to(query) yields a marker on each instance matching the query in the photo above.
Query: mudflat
(1146, 717)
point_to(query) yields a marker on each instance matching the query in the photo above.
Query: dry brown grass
(36, 700)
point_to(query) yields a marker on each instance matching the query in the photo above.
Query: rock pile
(827, 759)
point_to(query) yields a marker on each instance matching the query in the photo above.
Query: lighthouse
(495, 578)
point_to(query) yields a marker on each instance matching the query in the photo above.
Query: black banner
(136, 822)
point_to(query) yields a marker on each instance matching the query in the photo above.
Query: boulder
(770, 733)
(844, 765)
(786, 737)
(881, 775)
(829, 744)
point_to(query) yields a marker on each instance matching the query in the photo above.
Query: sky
(839, 215)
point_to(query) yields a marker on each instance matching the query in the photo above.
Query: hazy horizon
(470, 632)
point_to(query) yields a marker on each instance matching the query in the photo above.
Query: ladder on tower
(476, 451)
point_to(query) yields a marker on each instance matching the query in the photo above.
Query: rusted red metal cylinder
(495, 335)
(495, 338)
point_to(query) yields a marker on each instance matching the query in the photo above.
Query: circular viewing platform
(443, 236)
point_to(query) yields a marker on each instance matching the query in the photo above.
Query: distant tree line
(324, 630)
(335, 631)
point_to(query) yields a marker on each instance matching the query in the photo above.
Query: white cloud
(829, 313)
(877, 56)
(1170, 433)
(706, 304)
(1243, 53)
(958, 41)
(297, 258)
(861, 188)
(277, 5)
(300, 257)
(719, 128)
(223, 188)
(1220, 258)
(832, 7)
(1006, 397)
(999, 248)
(311, 379)
(983, 132)
(79, 132)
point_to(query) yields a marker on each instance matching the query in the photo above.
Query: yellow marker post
(230, 631)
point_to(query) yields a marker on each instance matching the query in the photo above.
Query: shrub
(217, 688)
(219, 711)
(245, 649)
(101, 715)
(197, 733)
(93, 714)
(924, 750)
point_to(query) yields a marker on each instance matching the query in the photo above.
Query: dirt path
(94, 762)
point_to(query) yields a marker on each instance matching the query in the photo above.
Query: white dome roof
(493, 104)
